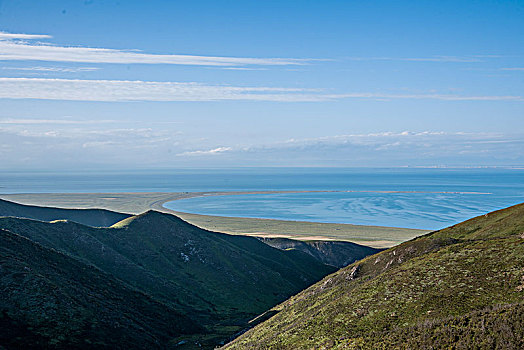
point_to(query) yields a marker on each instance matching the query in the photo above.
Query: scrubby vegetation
(460, 287)
(156, 281)
(65, 279)
(50, 300)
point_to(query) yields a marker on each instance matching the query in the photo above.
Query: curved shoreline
(162, 207)
(138, 202)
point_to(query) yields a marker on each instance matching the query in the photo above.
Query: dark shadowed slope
(335, 253)
(90, 217)
(217, 280)
(460, 287)
(52, 300)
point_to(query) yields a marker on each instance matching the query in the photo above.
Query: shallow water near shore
(410, 210)
(401, 197)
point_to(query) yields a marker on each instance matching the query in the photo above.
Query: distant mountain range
(461, 287)
(148, 281)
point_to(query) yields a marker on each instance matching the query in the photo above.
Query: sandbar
(138, 202)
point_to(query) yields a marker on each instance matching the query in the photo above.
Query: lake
(402, 197)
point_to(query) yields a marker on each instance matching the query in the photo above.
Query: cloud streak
(67, 145)
(125, 90)
(213, 151)
(26, 121)
(13, 48)
(442, 97)
(393, 148)
(122, 90)
(54, 69)
(19, 36)
(453, 59)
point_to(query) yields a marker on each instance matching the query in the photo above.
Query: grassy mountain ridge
(440, 290)
(225, 253)
(90, 217)
(217, 280)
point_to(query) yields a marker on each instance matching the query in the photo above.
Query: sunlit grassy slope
(460, 287)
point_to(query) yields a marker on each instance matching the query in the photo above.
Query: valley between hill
(148, 281)
(155, 281)
(65, 283)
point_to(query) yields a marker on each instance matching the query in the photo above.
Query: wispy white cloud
(514, 68)
(394, 148)
(54, 69)
(64, 145)
(124, 138)
(241, 68)
(376, 149)
(380, 140)
(118, 90)
(16, 47)
(156, 146)
(455, 59)
(26, 121)
(442, 97)
(19, 36)
(208, 152)
(35, 133)
(404, 143)
(123, 90)
(97, 144)
(72, 121)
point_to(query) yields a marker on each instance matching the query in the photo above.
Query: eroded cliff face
(335, 253)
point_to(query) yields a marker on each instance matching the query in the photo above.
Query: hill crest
(90, 217)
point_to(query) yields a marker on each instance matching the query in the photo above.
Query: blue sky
(157, 84)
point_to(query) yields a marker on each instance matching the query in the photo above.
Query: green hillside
(90, 217)
(52, 300)
(218, 281)
(461, 287)
(335, 253)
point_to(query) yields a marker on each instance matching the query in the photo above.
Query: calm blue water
(495, 188)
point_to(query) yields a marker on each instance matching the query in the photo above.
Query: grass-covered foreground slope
(461, 287)
(335, 253)
(217, 281)
(91, 217)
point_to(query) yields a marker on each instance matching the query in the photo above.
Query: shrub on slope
(434, 291)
